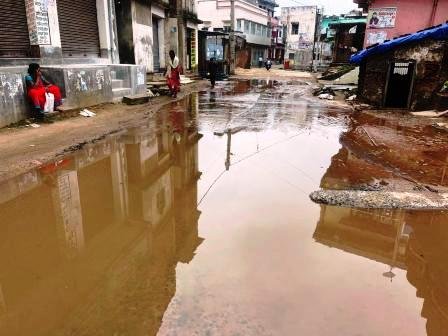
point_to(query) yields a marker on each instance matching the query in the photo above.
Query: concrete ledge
(381, 199)
(82, 85)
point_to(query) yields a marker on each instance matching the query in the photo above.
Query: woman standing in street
(173, 74)
(37, 87)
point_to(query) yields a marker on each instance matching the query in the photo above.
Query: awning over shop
(436, 33)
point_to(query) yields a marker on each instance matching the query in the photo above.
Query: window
(238, 24)
(246, 26)
(263, 31)
(295, 28)
(258, 29)
(252, 28)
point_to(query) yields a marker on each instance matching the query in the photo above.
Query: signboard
(382, 17)
(376, 37)
(193, 48)
(38, 23)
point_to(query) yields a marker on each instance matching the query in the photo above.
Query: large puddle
(199, 223)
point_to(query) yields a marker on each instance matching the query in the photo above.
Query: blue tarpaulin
(437, 33)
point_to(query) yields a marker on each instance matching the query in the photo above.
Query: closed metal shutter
(14, 37)
(78, 26)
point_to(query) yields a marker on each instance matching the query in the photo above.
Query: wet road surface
(199, 223)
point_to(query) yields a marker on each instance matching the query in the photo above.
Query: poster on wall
(38, 23)
(376, 37)
(382, 17)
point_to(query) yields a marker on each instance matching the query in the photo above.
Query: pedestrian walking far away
(213, 70)
(172, 74)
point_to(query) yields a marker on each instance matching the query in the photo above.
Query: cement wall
(85, 86)
(431, 72)
(13, 103)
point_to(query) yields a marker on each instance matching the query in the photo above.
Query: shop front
(78, 26)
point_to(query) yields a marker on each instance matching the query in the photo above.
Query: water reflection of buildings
(378, 235)
(91, 242)
(427, 268)
(414, 241)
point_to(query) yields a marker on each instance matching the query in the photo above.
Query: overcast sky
(330, 6)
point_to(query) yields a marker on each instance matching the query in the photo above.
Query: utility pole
(232, 37)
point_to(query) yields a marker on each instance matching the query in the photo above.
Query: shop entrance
(14, 36)
(189, 42)
(78, 26)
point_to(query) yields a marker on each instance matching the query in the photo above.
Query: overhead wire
(247, 157)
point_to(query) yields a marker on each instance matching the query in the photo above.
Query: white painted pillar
(67, 205)
(107, 30)
(161, 32)
(120, 182)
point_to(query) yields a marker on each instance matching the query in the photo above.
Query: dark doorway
(123, 14)
(155, 43)
(399, 84)
(189, 54)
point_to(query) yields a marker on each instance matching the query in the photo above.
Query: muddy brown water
(170, 229)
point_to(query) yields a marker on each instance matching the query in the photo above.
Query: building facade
(96, 51)
(302, 23)
(277, 50)
(251, 22)
(389, 19)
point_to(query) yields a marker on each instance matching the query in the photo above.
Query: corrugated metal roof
(436, 33)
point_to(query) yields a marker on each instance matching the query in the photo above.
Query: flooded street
(199, 222)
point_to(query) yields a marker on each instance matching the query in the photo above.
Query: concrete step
(117, 83)
(137, 99)
(121, 92)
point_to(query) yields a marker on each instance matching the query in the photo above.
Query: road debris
(326, 96)
(87, 113)
(430, 114)
(369, 136)
(441, 126)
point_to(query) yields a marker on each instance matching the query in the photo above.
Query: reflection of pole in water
(2, 302)
(390, 274)
(229, 143)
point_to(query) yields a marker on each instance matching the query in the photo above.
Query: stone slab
(136, 99)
